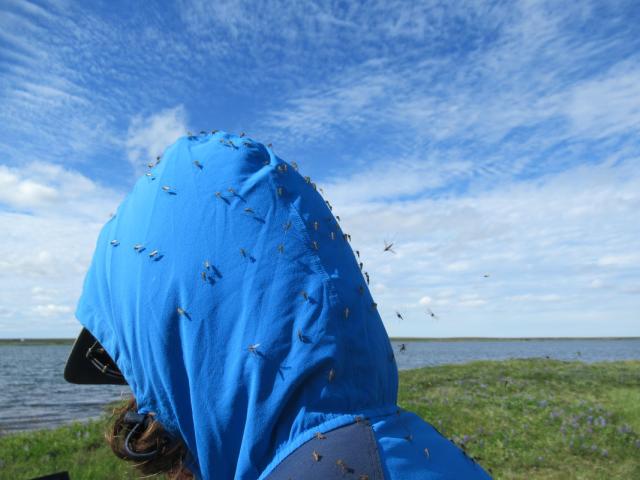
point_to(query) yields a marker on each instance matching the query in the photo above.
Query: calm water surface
(33, 393)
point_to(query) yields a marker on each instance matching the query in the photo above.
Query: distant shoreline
(69, 341)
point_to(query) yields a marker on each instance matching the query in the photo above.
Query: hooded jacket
(231, 300)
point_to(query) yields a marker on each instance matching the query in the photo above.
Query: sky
(495, 144)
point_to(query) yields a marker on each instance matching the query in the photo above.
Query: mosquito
(344, 467)
(399, 316)
(431, 314)
(387, 247)
(253, 348)
(115, 243)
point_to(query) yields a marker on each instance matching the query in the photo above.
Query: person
(225, 293)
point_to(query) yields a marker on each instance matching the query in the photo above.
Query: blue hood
(231, 300)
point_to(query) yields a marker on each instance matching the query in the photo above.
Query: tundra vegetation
(520, 419)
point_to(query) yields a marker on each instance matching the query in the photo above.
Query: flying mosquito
(431, 314)
(403, 347)
(387, 247)
(399, 316)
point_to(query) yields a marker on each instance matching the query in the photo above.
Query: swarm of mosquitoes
(389, 247)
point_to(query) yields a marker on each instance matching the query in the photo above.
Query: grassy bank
(523, 419)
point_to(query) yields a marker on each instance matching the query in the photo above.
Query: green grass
(536, 419)
(523, 419)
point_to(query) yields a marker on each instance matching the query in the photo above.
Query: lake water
(33, 393)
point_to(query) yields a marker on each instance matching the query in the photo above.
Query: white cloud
(45, 188)
(51, 310)
(625, 260)
(607, 105)
(426, 300)
(47, 245)
(539, 253)
(148, 136)
(23, 192)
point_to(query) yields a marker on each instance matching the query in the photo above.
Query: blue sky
(483, 138)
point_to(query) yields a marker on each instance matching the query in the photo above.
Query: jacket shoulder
(349, 451)
(411, 448)
(401, 446)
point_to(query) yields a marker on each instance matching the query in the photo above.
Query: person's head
(230, 300)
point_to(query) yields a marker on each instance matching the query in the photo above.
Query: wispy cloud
(149, 136)
(484, 138)
(490, 258)
(50, 217)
